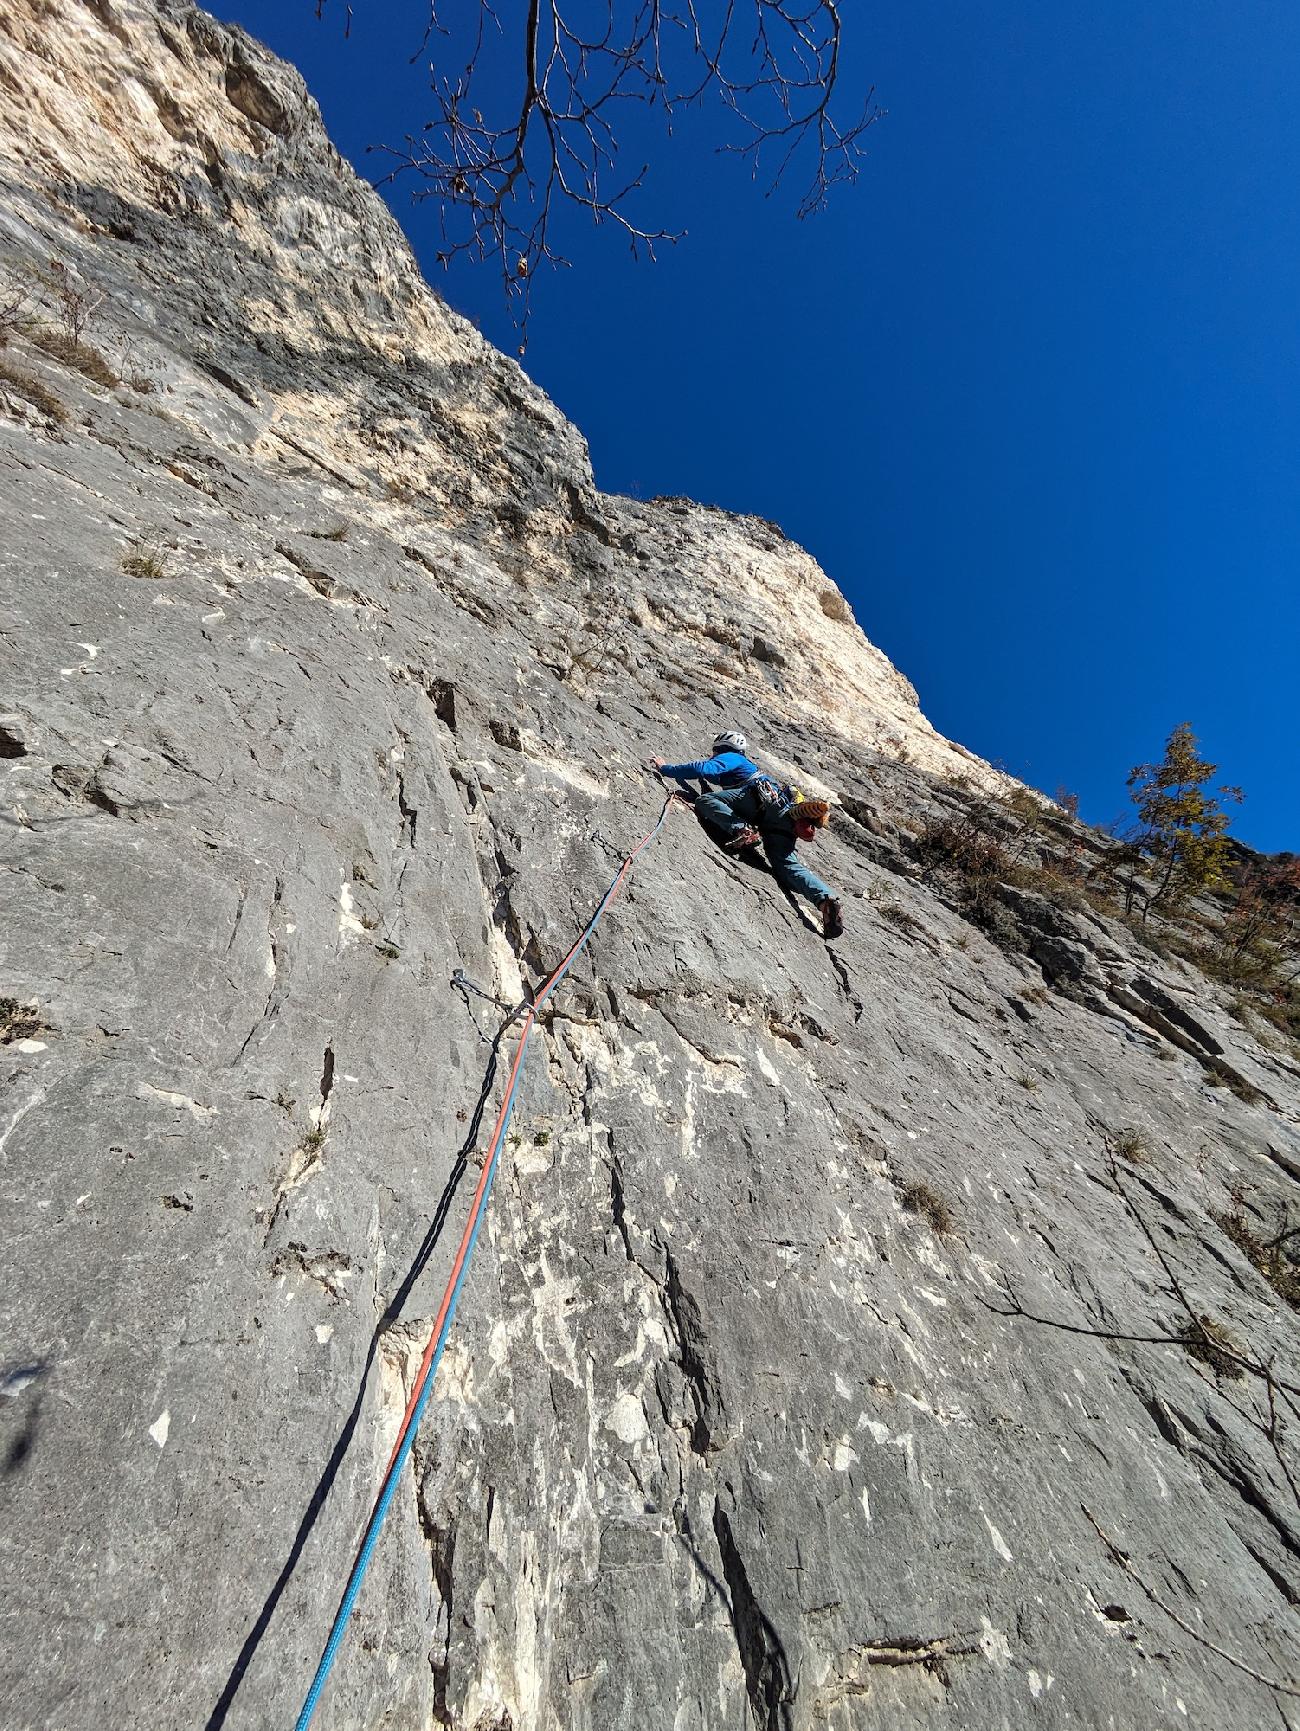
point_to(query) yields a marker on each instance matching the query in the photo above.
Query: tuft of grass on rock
(1213, 1344)
(1269, 1256)
(33, 391)
(898, 916)
(69, 351)
(18, 1021)
(1028, 1083)
(923, 1199)
(1221, 1075)
(143, 560)
(1131, 1145)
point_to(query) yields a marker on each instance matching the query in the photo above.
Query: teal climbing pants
(733, 809)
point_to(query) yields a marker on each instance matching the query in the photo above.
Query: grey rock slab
(726, 1434)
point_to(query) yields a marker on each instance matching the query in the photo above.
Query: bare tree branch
(1122, 1560)
(498, 181)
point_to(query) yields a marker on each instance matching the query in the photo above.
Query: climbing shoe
(742, 838)
(832, 918)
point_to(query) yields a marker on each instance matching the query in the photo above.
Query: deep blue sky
(1030, 391)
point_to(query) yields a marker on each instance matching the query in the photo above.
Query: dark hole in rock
(12, 743)
(442, 695)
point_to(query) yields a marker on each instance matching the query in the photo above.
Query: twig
(1121, 1558)
(499, 180)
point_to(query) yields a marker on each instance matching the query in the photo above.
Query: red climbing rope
(450, 1298)
(502, 1116)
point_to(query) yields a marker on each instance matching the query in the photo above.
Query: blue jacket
(727, 769)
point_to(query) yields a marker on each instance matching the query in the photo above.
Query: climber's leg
(790, 871)
(726, 810)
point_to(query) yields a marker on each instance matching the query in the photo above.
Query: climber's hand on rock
(657, 763)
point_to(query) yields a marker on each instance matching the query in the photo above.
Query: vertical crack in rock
(846, 985)
(762, 1652)
(688, 1329)
(618, 1207)
(408, 812)
(440, 1541)
(279, 986)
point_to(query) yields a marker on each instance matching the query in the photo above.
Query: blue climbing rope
(451, 1298)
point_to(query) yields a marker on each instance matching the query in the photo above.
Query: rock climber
(748, 807)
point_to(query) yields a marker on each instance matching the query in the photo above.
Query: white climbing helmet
(731, 742)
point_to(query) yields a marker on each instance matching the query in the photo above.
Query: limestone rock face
(325, 672)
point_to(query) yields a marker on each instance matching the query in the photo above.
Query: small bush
(15, 318)
(1213, 1344)
(314, 1140)
(1035, 994)
(69, 351)
(1028, 1083)
(1055, 880)
(1257, 944)
(923, 1199)
(77, 301)
(24, 385)
(1002, 843)
(963, 847)
(1283, 1011)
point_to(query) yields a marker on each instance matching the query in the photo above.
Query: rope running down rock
(451, 1296)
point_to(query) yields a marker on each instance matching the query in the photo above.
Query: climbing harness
(777, 797)
(423, 1384)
